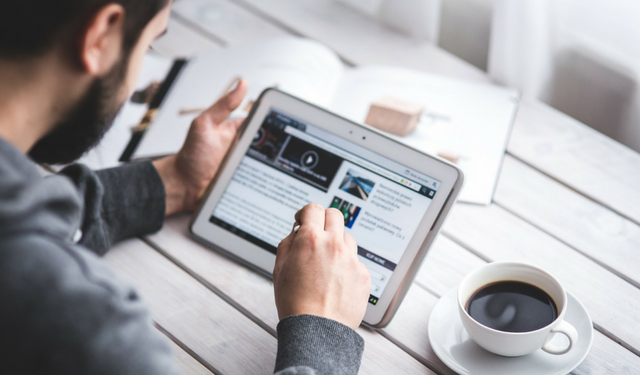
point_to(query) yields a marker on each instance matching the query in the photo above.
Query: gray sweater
(62, 311)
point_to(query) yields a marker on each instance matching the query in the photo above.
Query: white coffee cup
(513, 344)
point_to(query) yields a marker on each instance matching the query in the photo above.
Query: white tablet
(290, 153)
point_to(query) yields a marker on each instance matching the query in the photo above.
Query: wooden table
(567, 200)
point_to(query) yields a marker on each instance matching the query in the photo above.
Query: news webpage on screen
(292, 163)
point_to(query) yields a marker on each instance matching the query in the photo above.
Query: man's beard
(86, 123)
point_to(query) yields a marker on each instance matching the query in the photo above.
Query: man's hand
(317, 270)
(187, 174)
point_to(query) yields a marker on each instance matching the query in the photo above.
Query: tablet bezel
(449, 175)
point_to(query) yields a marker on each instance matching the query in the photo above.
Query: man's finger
(350, 242)
(311, 216)
(283, 248)
(334, 221)
(297, 215)
(234, 123)
(287, 242)
(221, 110)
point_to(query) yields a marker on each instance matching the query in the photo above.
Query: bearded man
(66, 68)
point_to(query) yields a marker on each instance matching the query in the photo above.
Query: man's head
(99, 43)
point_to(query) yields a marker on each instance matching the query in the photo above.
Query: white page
(108, 151)
(471, 119)
(300, 67)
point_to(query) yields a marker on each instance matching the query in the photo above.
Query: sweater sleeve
(64, 313)
(310, 345)
(119, 203)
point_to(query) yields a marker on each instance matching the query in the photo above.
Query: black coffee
(512, 306)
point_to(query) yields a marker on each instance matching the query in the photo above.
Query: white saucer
(455, 348)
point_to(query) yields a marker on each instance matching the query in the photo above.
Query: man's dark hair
(30, 28)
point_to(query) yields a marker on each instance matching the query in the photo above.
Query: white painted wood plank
(382, 357)
(560, 146)
(252, 291)
(578, 156)
(216, 331)
(411, 323)
(409, 326)
(225, 21)
(355, 37)
(255, 293)
(187, 364)
(545, 138)
(181, 41)
(498, 235)
(583, 224)
(569, 180)
(446, 265)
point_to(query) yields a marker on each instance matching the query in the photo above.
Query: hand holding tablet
(317, 270)
(390, 198)
(187, 174)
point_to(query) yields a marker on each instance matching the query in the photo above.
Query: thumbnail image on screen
(356, 185)
(349, 210)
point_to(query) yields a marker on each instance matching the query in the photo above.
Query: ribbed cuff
(134, 200)
(328, 347)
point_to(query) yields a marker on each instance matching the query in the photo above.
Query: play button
(309, 159)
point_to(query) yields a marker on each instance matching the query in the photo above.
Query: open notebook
(471, 120)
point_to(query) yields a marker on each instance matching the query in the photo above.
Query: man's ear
(101, 43)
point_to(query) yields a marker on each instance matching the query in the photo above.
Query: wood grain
(446, 265)
(581, 160)
(217, 332)
(579, 222)
(560, 146)
(187, 364)
(181, 41)
(495, 234)
(226, 22)
(564, 148)
(410, 326)
(255, 293)
(578, 156)
(355, 37)
(539, 129)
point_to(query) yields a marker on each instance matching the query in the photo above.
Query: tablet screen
(291, 163)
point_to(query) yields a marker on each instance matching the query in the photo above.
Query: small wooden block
(450, 156)
(394, 115)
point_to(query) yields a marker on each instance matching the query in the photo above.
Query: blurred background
(582, 57)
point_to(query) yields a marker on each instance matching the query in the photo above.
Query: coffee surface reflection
(512, 306)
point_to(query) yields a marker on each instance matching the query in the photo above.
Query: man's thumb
(221, 110)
